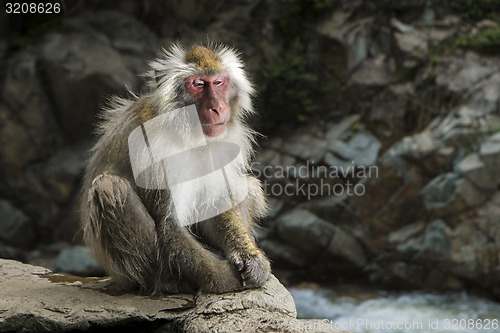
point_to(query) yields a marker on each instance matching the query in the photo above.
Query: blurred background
(403, 96)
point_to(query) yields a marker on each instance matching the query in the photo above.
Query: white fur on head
(169, 70)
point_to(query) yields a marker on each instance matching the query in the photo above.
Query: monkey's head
(210, 77)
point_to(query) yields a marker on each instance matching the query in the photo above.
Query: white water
(399, 312)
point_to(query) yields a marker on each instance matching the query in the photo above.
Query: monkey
(142, 236)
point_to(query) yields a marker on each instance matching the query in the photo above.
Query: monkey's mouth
(216, 124)
(214, 129)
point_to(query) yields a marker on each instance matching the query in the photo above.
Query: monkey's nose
(215, 110)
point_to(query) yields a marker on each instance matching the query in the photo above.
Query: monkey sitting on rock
(141, 219)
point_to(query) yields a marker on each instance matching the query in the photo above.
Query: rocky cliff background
(405, 94)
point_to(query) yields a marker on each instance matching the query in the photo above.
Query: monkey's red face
(210, 94)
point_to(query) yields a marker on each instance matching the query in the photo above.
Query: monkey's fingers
(243, 281)
(254, 269)
(240, 265)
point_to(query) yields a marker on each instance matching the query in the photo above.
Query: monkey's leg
(121, 233)
(231, 232)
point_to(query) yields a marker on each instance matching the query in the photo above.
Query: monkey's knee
(109, 191)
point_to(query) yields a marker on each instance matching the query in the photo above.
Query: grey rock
(265, 157)
(390, 109)
(357, 39)
(484, 99)
(16, 149)
(344, 151)
(473, 168)
(305, 231)
(410, 249)
(298, 171)
(315, 237)
(15, 227)
(417, 146)
(84, 63)
(402, 27)
(274, 207)
(373, 72)
(463, 117)
(491, 213)
(36, 300)
(482, 168)
(306, 145)
(337, 130)
(486, 24)
(272, 166)
(406, 233)
(345, 246)
(467, 241)
(283, 254)
(276, 143)
(63, 171)
(393, 160)
(31, 127)
(334, 26)
(333, 161)
(125, 33)
(436, 240)
(9, 252)
(490, 152)
(460, 73)
(413, 43)
(367, 147)
(449, 193)
(77, 260)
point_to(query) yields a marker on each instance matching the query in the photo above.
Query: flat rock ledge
(33, 299)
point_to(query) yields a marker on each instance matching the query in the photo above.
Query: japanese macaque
(145, 237)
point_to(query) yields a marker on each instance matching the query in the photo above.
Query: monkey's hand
(254, 268)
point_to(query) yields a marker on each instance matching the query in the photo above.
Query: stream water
(398, 312)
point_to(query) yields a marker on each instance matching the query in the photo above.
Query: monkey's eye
(218, 82)
(198, 83)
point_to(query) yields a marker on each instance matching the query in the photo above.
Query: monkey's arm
(231, 232)
(240, 248)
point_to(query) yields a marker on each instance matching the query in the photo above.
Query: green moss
(401, 76)
(444, 48)
(295, 13)
(286, 86)
(476, 10)
(430, 80)
(487, 42)
(356, 127)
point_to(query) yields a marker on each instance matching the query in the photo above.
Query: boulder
(482, 168)
(410, 41)
(372, 72)
(331, 247)
(77, 260)
(449, 194)
(15, 227)
(29, 131)
(36, 300)
(458, 74)
(96, 55)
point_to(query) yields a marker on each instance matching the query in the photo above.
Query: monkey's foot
(254, 269)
